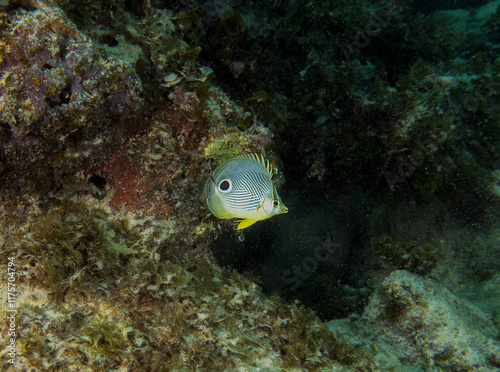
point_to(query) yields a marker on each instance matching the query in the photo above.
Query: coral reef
(103, 214)
(60, 99)
(426, 324)
(381, 117)
(113, 294)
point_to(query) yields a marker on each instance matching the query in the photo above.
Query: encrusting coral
(59, 98)
(113, 294)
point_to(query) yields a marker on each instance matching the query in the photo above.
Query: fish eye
(276, 203)
(225, 185)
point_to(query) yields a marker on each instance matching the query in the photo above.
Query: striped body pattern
(242, 188)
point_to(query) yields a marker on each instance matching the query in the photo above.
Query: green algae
(233, 145)
(117, 297)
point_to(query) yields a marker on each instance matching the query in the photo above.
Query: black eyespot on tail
(225, 185)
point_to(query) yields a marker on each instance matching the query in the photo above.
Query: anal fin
(243, 224)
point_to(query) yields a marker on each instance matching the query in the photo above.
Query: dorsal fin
(260, 159)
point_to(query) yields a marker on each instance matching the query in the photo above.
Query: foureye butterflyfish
(242, 188)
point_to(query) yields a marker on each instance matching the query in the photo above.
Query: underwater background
(382, 118)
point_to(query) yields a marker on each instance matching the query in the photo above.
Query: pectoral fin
(243, 224)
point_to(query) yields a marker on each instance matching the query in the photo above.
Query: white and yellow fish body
(242, 188)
